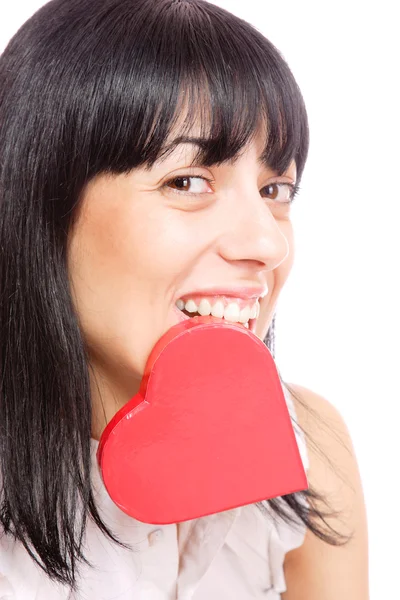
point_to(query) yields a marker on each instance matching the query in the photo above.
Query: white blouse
(233, 555)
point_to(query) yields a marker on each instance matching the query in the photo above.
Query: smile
(234, 310)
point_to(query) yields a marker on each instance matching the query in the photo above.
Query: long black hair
(89, 87)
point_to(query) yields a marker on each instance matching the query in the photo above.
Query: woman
(150, 152)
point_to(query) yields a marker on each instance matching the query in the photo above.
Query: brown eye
(180, 182)
(281, 192)
(272, 190)
(190, 185)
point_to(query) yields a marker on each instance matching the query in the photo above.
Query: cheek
(126, 258)
(115, 253)
(276, 280)
(282, 272)
(124, 270)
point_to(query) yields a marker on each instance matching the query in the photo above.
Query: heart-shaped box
(209, 429)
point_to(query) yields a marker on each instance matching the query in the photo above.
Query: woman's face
(139, 246)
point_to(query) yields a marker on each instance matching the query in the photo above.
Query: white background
(337, 324)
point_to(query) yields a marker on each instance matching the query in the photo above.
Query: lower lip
(182, 317)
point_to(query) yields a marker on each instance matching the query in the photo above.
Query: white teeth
(253, 311)
(204, 308)
(180, 304)
(246, 325)
(218, 309)
(232, 312)
(191, 306)
(244, 314)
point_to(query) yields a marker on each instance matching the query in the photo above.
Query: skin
(316, 570)
(138, 246)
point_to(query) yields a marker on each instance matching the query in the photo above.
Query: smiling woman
(150, 153)
(231, 235)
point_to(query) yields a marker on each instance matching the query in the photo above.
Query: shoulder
(317, 568)
(308, 402)
(327, 436)
(333, 464)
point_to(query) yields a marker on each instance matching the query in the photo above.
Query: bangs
(134, 77)
(190, 66)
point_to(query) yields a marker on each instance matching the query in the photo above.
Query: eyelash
(294, 187)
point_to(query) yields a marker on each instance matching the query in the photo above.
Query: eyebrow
(204, 143)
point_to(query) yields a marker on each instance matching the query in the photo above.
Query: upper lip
(247, 293)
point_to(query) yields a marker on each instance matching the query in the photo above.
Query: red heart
(208, 431)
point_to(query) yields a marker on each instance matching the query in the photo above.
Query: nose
(251, 234)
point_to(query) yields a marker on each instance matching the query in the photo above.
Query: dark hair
(89, 87)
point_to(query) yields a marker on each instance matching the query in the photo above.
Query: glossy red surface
(208, 431)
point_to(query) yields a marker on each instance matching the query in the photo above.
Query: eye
(196, 185)
(184, 183)
(283, 193)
